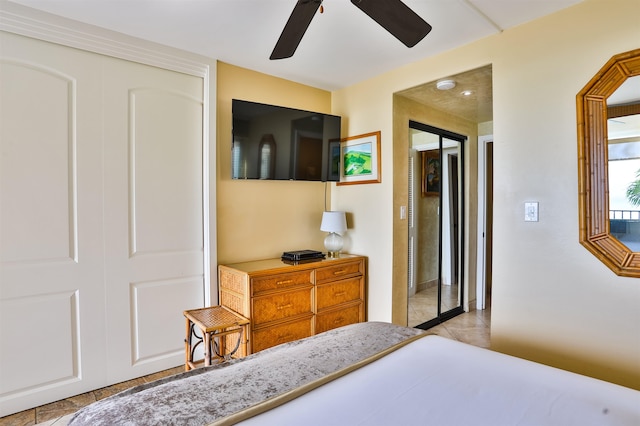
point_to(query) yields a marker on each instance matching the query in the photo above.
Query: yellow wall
(553, 301)
(261, 219)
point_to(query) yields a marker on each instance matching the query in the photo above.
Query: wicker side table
(216, 324)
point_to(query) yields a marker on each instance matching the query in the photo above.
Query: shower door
(436, 225)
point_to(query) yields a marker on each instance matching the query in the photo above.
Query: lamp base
(333, 244)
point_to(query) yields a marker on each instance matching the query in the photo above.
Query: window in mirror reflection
(624, 181)
(623, 127)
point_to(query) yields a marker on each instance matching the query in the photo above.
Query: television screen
(279, 143)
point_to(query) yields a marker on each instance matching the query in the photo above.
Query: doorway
(436, 225)
(485, 222)
(467, 110)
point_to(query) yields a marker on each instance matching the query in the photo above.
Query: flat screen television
(279, 143)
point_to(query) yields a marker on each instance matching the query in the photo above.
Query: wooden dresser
(286, 302)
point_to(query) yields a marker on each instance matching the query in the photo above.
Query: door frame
(483, 141)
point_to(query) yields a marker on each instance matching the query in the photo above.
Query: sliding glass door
(436, 225)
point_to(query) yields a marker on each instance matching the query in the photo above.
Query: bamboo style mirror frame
(593, 184)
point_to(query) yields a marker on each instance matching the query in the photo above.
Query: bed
(371, 374)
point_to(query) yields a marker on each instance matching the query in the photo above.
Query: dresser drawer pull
(287, 306)
(338, 320)
(340, 272)
(284, 282)
(339, 293)
(284, 337)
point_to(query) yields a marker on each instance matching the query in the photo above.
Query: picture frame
(360, 159)
(431, 169)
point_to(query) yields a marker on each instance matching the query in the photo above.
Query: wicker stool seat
(216, 325)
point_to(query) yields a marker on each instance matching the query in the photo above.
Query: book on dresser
(286, 302)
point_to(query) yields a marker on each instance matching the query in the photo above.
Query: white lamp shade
(334, 222)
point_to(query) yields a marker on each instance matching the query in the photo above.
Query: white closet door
(153, 191)
(52, 311)
(101, 219)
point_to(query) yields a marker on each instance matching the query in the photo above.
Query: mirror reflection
(435, 225)
(623, 124)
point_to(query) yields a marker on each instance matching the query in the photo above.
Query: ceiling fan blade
(295, 28)
(396, 17)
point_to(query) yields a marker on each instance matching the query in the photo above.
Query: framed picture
(431, 173)
(360, 157)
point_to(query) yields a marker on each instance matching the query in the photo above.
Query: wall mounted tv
(278, 143)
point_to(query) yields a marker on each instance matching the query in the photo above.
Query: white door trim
(482, 220)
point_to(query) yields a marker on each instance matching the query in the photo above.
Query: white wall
(552, 300)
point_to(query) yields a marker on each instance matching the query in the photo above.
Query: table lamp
(334, 223)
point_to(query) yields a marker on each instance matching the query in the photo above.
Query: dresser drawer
(339, 271)
(281, 281)
(282, 333)
(281, 305)
(286, 302)
(338, 292)
(334, 319)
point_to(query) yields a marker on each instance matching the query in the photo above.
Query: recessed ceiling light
(467, 93)
(445, 84)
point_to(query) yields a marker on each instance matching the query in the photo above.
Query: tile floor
(423, 305)
(472, 327)
(59, 413)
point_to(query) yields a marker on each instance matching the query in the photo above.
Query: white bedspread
(437, 381)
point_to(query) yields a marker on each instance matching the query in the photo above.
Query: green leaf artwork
(357, 160)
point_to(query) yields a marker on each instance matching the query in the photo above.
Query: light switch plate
(531, 211)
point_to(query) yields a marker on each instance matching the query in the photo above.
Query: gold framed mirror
(593, 113)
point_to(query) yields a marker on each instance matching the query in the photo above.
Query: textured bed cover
(211, 394)
(437, 381)
(371, 374)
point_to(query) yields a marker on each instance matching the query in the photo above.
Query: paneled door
(154, 247)
(52, 310)
(101, 219)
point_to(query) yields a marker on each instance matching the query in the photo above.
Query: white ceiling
(342, 46)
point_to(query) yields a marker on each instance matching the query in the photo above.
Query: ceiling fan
(393, 15)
